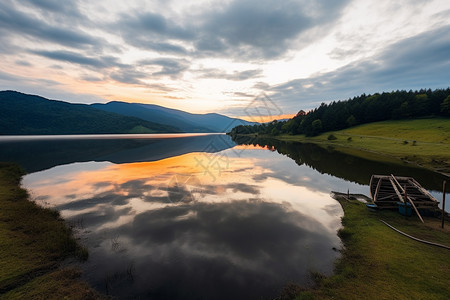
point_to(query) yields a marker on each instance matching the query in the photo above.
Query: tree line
(362, 109)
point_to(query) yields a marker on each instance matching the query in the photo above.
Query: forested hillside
(28, 114)
(187, 122)
(363, 109)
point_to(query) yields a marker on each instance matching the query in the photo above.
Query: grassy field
(425, 142)
(34, 242)
(379, 263)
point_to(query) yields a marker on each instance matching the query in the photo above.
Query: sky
(227, 56)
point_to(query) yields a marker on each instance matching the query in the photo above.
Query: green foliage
(351, 121)
(27, 114)
(432, 136)
(275, 131)
(445, 106)
(290, 291)
(362, 109)
(331, 137)
(290, 126)
(316, 126)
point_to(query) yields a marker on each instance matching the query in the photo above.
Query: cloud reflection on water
(166, 229)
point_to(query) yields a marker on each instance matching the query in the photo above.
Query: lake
(198, 216)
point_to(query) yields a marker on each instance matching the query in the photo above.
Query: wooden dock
(387, 190)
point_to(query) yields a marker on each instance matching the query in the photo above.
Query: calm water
(198, 216)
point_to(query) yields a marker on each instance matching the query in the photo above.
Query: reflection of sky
(236, 224)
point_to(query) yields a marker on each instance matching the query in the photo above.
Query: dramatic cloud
(235, 76)
(205, 56)
(14, 23)
(76, 58)
(168, 66)
(263, 29)
(421, 61)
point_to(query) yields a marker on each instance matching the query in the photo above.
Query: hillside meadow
(425, 142)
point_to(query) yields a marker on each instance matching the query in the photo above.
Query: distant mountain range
(187, 122)
(30, 114)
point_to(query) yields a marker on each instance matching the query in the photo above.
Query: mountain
(188, 122)
(29, 114)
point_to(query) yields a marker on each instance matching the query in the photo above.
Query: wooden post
(396, 189)
(348, 194)
(406, 204)
(415, 208)
(408, 198)
(443, 203)
(420, 188)
(375, 197)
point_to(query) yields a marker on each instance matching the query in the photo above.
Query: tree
(275, 131)
(405, 110)
(351, 121)
(445, 106)
(301, 113)
(361, 110)
(316, 126)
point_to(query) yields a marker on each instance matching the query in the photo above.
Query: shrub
(332, 137)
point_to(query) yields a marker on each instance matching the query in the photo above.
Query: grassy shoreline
(34, 243)
(378, 262)
(423, 142)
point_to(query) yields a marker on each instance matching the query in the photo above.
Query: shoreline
(421, 142)
(35, 243)
(364, 152)
(374, 256)
(376, 260)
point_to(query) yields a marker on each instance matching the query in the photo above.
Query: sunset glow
(215, 56)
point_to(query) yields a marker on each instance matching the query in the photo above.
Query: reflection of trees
(37, 155)
(338, 164)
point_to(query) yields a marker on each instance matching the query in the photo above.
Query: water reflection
(171, 229)
(350, 168)
(36, 153)
(199, 217)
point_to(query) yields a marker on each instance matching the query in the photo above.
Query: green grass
(435, 130)
(425, 142)
(34, 242)
(379, 263)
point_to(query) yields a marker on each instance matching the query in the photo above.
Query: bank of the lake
(425, 142)
(378, 262)
(34, 243)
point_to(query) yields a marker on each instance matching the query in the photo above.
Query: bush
(332, 137)
(344, 234)
(316, 127)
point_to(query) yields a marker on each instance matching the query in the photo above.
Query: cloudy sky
(207, 55)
